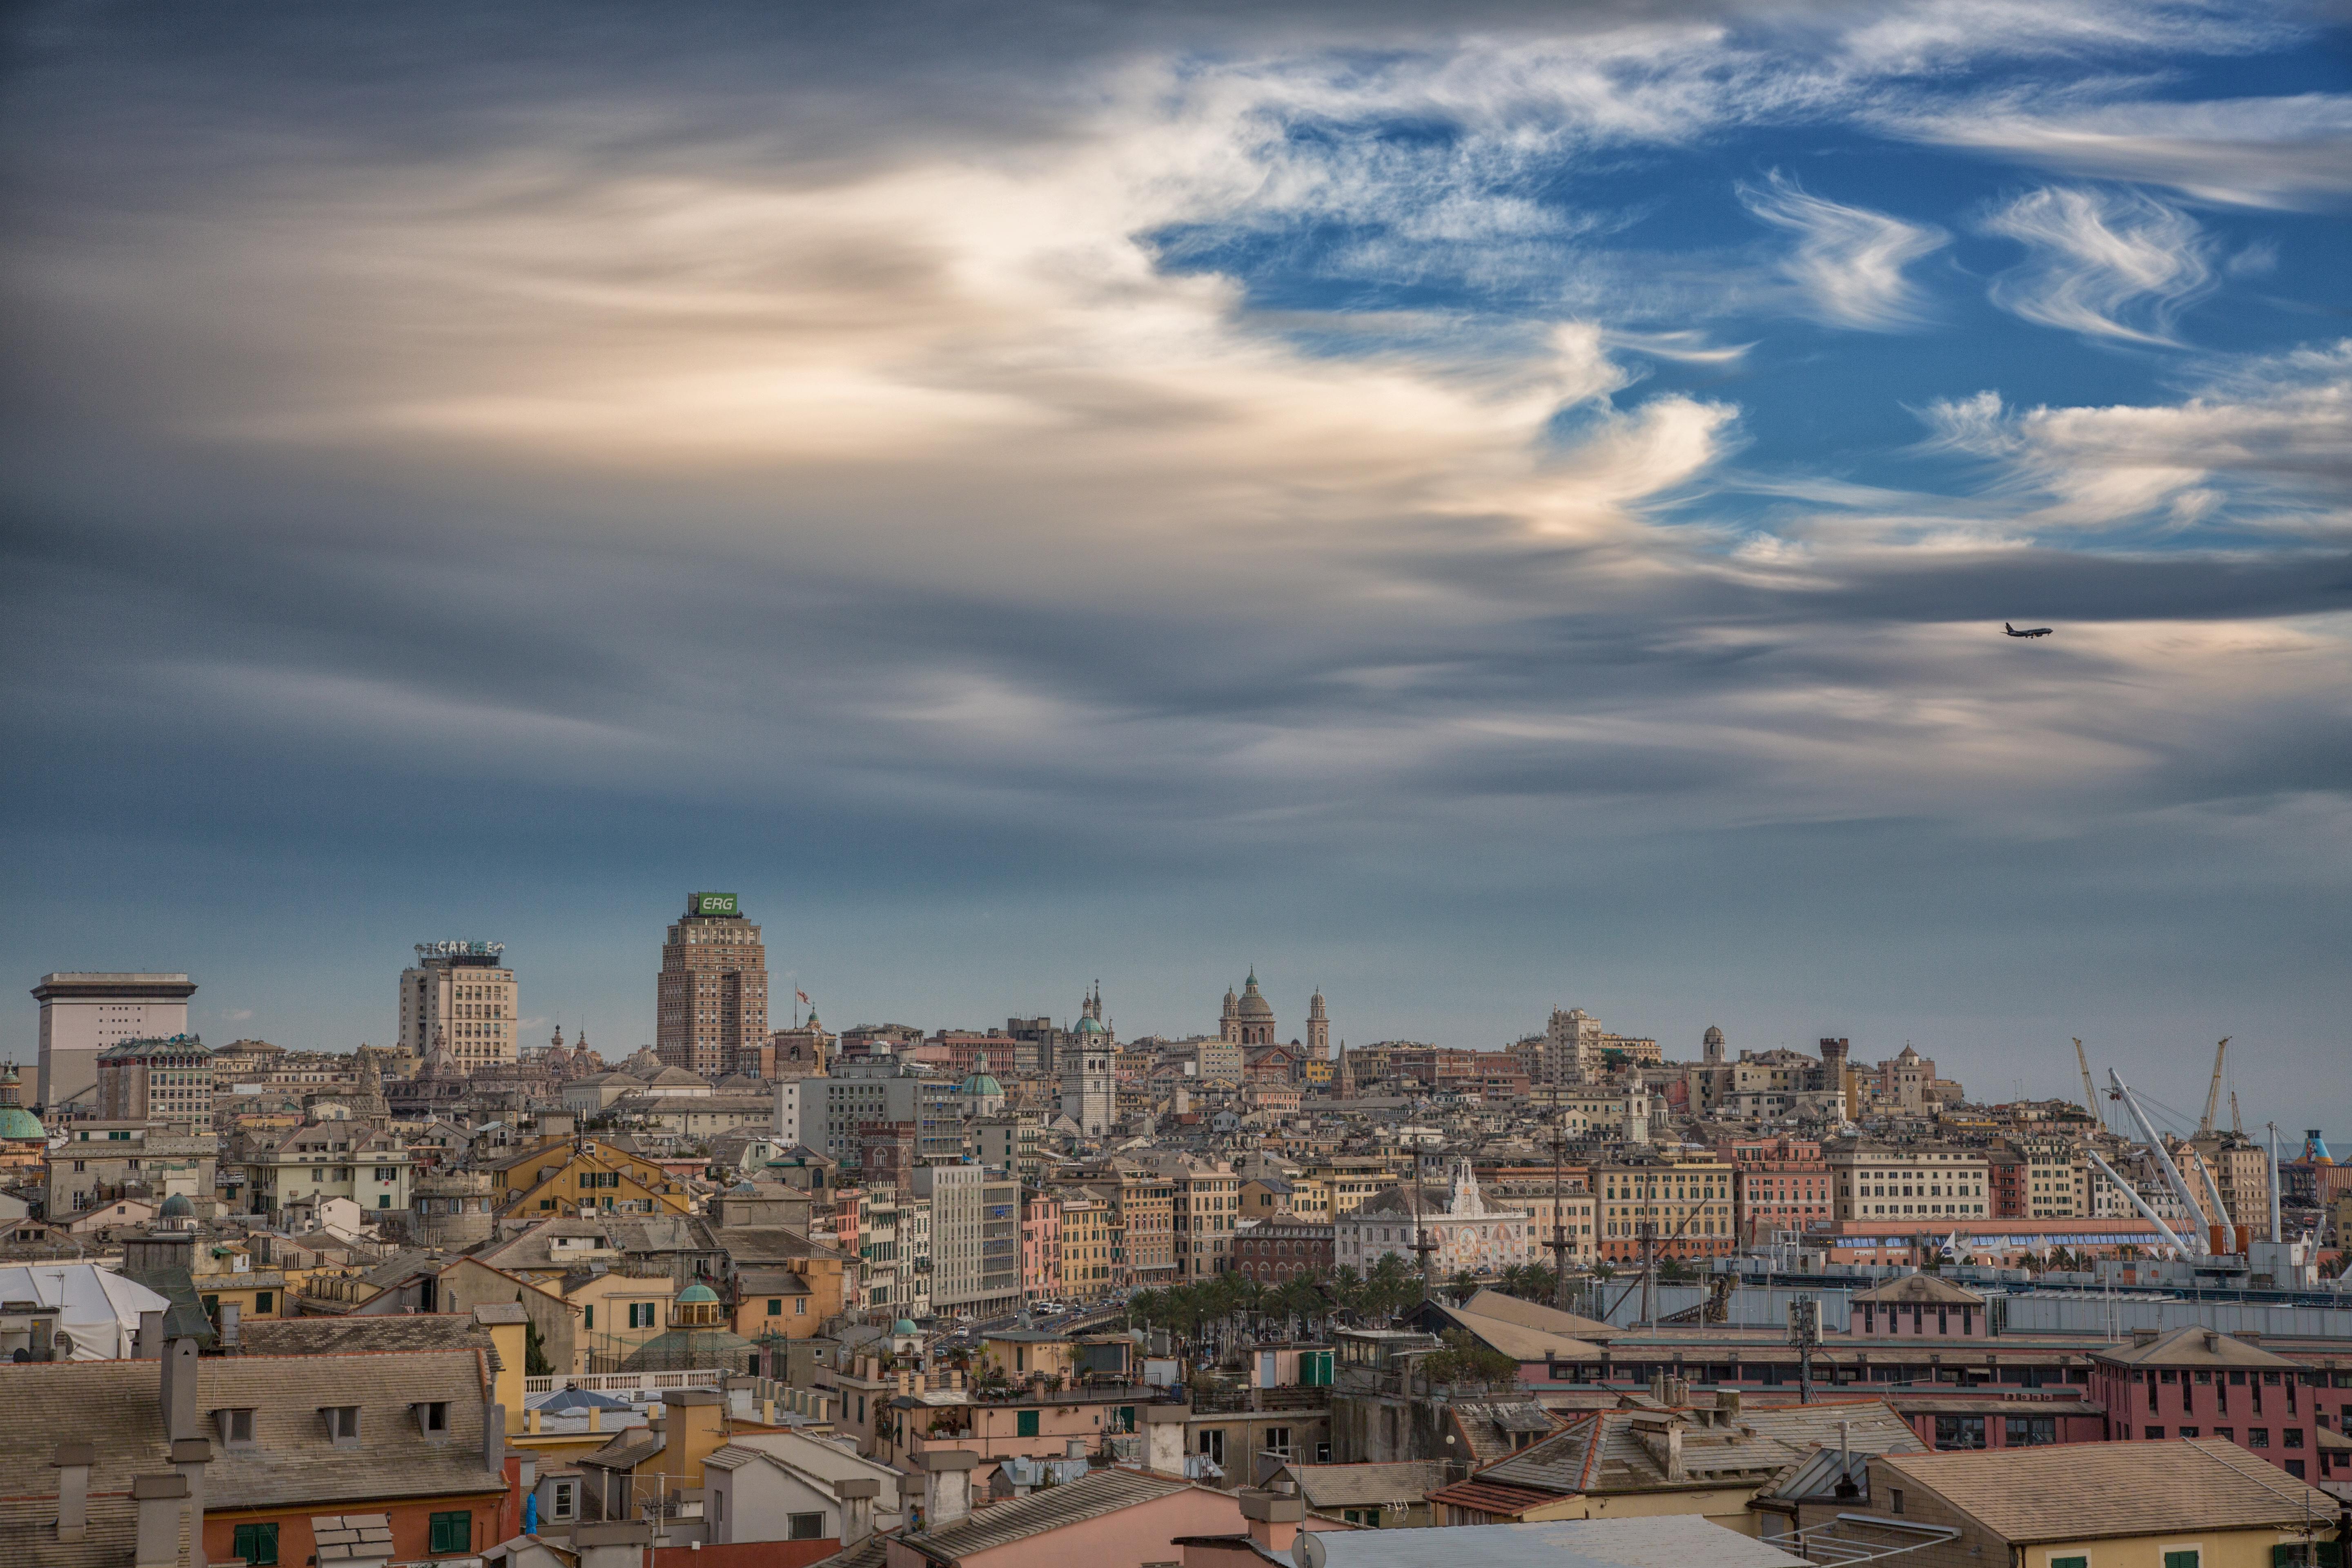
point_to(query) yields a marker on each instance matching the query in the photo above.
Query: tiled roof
(1536, 1315)
(326, 1336)
(2193, 1346)
(1926, 1290)
(1605, 1452)
(116, 1406)
(1105, 1491)
(2078, 1491)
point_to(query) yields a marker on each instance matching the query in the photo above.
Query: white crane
(2140, 1203)
(2163, 1160)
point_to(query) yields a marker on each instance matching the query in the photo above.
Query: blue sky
(1476, 512)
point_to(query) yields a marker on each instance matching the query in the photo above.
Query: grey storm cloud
(488, 450)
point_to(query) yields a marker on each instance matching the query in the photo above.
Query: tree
(1469, 1360)
(534, 1350)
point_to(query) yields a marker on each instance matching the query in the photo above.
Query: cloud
(2098, 257)
(2290, 151)
(2270, 439)
(239, 1016)
(1849, 261)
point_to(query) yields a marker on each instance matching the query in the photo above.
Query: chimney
(1273, 1516)
(189, 1457)
(1163, 1437)
(180, 1389)
(2212, 1341)
(1726, 1407)
(1658, 1386)
(72, 1462)
(856, 1508)
(149, 1344)
(950, 1485)
(226, 1326)
(494, 1438)
(162, 1507)
(2142, 1336)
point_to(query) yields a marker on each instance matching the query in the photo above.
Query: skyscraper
(459, 996)
(711, 1001)
(82, 1015)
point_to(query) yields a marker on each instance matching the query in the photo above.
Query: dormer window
(343, 1424)
(234, 1427)
(432, 1417)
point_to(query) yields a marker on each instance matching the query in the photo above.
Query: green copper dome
(18, 1123)
(696, 1293)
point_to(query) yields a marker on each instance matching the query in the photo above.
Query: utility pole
(1805, 1333)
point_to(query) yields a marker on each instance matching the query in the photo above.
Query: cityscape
(963, 783)
(785, 1292)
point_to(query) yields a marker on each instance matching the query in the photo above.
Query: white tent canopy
(97, 1309)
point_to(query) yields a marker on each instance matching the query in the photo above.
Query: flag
(802, 994)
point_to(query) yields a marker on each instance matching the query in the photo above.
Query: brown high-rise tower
(710, 1015)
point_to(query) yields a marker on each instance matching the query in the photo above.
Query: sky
(1475, 508)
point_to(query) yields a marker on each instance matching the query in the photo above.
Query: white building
(1467, 1236)
(786, 1486)
(460, 996)
(83, 1013)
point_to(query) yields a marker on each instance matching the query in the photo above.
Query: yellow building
(564, 1176)
(1091, 1244)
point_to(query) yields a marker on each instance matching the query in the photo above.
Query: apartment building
(105, 1162)
(1684, 1202)
(975, 1240)
(1922, 1182)
(1776, 1184)
(168, 1081)
(1207, 1204)
(1093, 1261)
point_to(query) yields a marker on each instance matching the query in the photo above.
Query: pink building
(1920, 1306)
(1041, 1245)
(1777, 1183)
(2200, 1383)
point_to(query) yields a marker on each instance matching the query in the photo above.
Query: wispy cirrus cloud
(2105, 264)
(2293, 152)
(1848, 260)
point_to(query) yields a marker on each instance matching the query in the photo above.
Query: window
(775, 1306)
(257, 1543)
(2032, 1432)
(2155, 1434)
(342, 1423)
(451, 1532)
(1960, 1432)
(2258, 1438)
(800, 1308)
(1277, 1440)
(1894, 1497)
(805, 1527)
(433, 1418)
(588, 1317)
(2292, 1437)
(2070, 1562)
(2189, 1431)
(1024, 1423)
(562, 1499)
(2294, 1468)
(2185, 1558)
(234, 1427)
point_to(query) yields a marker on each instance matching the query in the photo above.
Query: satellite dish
(62, 1344)
(1306, 1550)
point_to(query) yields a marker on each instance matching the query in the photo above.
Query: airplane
(2035, 632)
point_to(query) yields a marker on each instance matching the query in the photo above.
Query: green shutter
(2187, 1559)
(1024, 1425)
(452, 1533)
(2070, 1562)
(257, 1543)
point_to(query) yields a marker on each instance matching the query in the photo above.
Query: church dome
(20, 1125)
(176, 1207)
(904, 1326)
(1091, 1027)
(695, 1295)
(1254, 1005)
(980, 1086)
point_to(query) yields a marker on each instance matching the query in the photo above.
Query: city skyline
(1473, 510)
